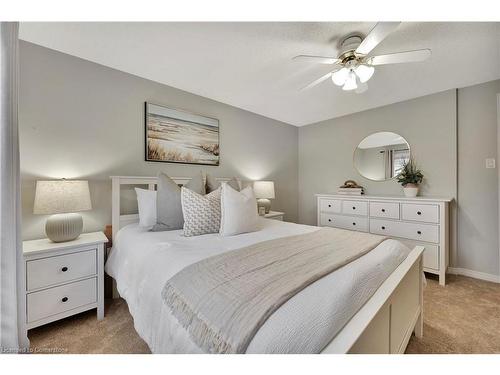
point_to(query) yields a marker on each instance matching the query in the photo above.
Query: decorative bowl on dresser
(414, 221)
(63, 278)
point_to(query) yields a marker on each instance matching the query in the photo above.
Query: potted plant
(410, 177)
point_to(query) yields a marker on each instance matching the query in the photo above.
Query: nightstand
(64, 278)
(275, 215)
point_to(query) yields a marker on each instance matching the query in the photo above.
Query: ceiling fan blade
(376, 35)
(400, 57)
(317, 59)
(317, 82)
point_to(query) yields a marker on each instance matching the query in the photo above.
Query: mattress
(141, 262)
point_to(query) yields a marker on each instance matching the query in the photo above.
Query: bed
(371, 305)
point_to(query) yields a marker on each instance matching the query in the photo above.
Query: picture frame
(176, 136)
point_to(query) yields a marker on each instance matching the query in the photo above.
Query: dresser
(63, 278)
(415, 221)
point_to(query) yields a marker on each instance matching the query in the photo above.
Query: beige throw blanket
(223, 300)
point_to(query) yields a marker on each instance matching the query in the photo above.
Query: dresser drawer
(345, 222)
(59, 299)
(428, 213)
(431, 253)
(61, 268)
(412, 231)
(330, 205)
(355, 208)
(388, 210)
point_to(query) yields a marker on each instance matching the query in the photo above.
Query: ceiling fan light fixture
(350, 83)
(362, 87)
(355, 65)
(364, 72)
(340, 76)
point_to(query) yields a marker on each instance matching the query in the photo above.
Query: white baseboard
(474, 274)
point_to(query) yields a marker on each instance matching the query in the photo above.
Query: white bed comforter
(142, 261)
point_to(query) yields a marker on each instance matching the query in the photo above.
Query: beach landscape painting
(176, 136)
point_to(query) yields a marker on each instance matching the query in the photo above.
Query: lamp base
(64, 227)
(266, 203)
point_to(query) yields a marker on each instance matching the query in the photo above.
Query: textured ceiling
(248, 65)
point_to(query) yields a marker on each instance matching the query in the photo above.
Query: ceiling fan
(354, 67)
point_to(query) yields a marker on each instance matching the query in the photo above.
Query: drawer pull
(330, 220)
(419, 213)
(353, 207)
(383, 209)
(419, 232)
(329, 205)
(64, 299)
(383, 228)
(64, 269)
(353, 223)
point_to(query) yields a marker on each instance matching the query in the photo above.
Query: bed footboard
(388, 319)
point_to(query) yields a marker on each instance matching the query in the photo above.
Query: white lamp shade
(263, 189)
(61, 196)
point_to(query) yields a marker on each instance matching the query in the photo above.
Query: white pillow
(238, 211)
(146, 203)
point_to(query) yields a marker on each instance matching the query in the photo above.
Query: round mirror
(380, 156)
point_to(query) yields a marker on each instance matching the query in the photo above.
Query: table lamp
(62, 199)
(264, 190)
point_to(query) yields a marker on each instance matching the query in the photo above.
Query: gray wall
(450, 134)
(82, 120)
(326, 149)
(478, 186)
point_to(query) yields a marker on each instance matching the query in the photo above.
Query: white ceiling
(248, 65)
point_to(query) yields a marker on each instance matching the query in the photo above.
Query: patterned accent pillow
(201, 212)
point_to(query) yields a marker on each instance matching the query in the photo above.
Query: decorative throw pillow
(168, 201)
(146, 204)
(201, 212)
(212, 184)
(238, 211)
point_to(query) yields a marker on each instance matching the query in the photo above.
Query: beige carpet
(463, 317)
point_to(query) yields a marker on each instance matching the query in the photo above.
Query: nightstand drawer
(58, 269)
(63, 298)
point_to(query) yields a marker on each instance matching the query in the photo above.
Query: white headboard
(117, 219)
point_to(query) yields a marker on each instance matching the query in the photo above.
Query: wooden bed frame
(383, 325)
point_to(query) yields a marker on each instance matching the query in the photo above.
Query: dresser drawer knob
(353, 207)
(329, 205)
(383, 228)
(64, 299)
(64, 269)
(419, 213)
(353, 223)
(383, 209)
(419, 232)
(330, 220)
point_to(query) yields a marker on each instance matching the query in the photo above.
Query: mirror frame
(369, 135)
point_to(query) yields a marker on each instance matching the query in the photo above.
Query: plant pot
(410, 190)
